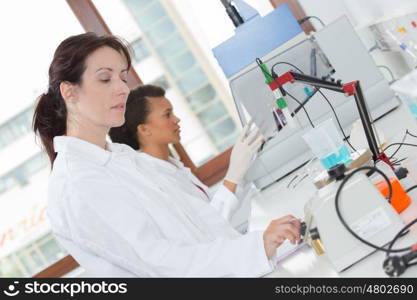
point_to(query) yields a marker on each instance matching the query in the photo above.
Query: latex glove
(243, 152)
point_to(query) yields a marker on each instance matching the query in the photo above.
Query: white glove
(243, 152)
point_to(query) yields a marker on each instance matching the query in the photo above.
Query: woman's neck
(93, 134)
(158, 151)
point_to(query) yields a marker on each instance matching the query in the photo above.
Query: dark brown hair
(137, 111)
(68, 64)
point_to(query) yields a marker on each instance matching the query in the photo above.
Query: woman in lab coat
(102, 204)
(151, 126)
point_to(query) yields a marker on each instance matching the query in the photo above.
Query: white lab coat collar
(90, 151)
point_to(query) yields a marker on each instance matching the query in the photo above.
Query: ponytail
(49, 120)
(125, 135)
(137, 110)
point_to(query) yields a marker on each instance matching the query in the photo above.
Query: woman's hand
(279, 230)
(243, 151)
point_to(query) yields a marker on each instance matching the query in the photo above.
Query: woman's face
(161, 125)
(101, 96)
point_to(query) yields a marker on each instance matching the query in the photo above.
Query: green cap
(281, 103)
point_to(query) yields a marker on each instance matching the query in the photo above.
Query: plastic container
(411, 104)
(327, 145)
(400, 200)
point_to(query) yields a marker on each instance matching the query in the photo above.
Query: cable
(393, 144)
(399, 147)
(400, 160)
(338, 122)
(389, 71)
(274, 75)
(411, 188)
(306, 100)
(302, 20)
(391, 244)
(410, 134)
(267, 75)
(397, 265)
(303, 108)
(342, 220)
(321, 93)
(284, 63)
(263, 68)
(402, 142)
(233, 13)
(374, 47)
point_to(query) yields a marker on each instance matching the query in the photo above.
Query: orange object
(400, 199)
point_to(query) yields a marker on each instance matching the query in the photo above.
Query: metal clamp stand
(351, 88)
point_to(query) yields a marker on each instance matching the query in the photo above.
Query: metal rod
(318, 82)
(366, 121)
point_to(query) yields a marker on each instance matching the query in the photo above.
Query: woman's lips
(120, 106)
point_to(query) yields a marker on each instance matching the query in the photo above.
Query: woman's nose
(123, 88)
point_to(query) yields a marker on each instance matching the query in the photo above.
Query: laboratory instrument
(374, 220)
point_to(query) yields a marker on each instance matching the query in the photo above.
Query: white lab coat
(173, 173)
(107, 209)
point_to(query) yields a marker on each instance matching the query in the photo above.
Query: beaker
(327, 145)
(411, 103)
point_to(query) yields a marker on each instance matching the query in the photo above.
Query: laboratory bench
(289, 195)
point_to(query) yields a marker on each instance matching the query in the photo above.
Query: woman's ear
(143, 130)
(68, 92)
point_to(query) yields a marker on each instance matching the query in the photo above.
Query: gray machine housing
(349, 58)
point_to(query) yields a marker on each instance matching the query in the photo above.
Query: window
(160, 31)
(191, 80)
(170, 47)
(146, 15)
(22, 173)
(34, 164)
(50, 249)
(222, 130)
(201, 96)
(16, 127)
(140, 50)
(32, 258)
(10, 268)
(162, 82)
(24, 75)
(179, 64)
(212, 113)
(6, 182)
